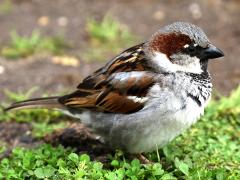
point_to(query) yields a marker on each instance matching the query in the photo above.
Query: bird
(147, 95)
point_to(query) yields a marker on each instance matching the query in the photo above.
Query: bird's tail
(47, 102)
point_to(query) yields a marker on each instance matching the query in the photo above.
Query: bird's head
(182, 47)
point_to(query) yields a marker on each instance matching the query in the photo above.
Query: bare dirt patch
(218, 18)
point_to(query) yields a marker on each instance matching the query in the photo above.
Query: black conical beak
(212, 52)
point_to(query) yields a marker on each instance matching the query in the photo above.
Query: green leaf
(157, 169)
(84, 157)
(168, 177)
(73, 157)
(44, 172)
(80, 173)
(111, 176)
(183, 167)
(114, 163)
(39, 172)
(135, 163)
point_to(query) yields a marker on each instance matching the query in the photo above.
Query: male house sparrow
(148, 94)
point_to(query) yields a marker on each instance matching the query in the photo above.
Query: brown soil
(76, 135)
(15, 134)
(79, 137)
(143, 17)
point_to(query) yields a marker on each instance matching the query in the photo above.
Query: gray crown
(194, 32)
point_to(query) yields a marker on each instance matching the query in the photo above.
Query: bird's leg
(143, 159)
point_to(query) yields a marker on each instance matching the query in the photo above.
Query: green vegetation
(106, 38)
(60, 163)
(6, 6)
(42, 121)
(208, 150)
(22, 46)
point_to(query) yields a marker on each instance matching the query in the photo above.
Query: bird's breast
(155, 125)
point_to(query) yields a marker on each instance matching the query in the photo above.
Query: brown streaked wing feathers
(104, 91)
(131, 59)
(106, 103)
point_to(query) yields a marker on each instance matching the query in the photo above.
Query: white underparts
(85, 116)
(189, 64)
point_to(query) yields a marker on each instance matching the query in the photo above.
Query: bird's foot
(143, 159)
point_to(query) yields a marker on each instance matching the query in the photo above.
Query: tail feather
(48, 103)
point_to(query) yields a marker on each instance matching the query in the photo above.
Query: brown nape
(168, 43)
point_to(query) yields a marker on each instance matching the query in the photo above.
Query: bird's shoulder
(120, 86)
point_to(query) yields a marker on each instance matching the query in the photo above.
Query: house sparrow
(148, 94)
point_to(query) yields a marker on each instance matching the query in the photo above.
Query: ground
(68, 18)
(219, 19)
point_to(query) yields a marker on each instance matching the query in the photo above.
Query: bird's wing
(118, 87)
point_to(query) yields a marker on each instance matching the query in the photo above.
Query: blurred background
(53, 45)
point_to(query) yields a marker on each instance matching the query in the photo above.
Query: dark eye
(191, 49)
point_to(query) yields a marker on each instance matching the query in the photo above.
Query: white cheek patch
(164, 64)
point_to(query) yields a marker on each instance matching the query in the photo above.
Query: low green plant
(23, 46)
(208, 150)
(40, 129)
(19, 96)
(107, 30)
(6, 6)
(43, 121)
(47, 162)
(106, 37)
